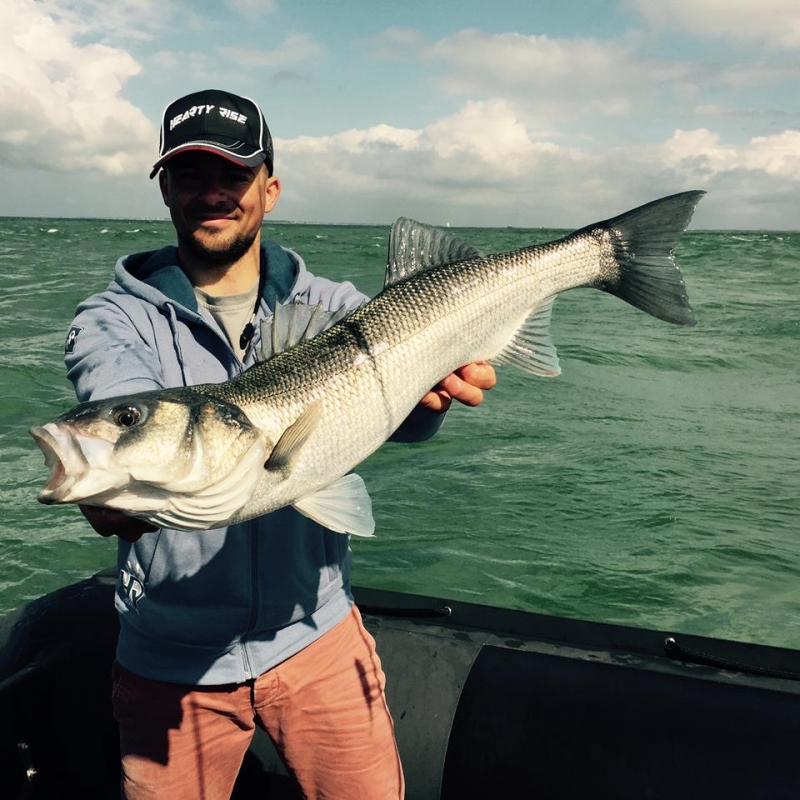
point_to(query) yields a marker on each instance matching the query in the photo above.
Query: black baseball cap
(217, 122)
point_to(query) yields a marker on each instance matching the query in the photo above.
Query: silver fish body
(304, 418)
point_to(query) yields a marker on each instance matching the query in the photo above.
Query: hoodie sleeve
(421, 424)
(106, 355)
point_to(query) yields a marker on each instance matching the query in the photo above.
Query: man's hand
(466, 385)
(108, 522)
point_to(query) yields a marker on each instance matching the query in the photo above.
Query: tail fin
(644, 240)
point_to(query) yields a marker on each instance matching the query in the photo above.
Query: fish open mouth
(63, 457)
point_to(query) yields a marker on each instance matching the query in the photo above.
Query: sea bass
(329, 391)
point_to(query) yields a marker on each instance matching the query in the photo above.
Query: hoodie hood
(156, 277)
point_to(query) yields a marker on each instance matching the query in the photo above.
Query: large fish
(289, 430)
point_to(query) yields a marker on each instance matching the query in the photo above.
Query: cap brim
(252, 160)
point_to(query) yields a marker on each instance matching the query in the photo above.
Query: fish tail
(644, 272)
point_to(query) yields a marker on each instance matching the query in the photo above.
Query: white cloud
(772, 22)
(483, 166)
(513, 59)
(185, 62)
(776, 155)
(400, 39)
(296, 49)
(556, 83)
(460, 166)
(119, 20)
(377, 137)
(745, 76)
(61, 102)
(702, 153)
(550, 79)
(489, 132)
(480, 136)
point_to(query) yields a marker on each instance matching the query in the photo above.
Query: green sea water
(654, 483)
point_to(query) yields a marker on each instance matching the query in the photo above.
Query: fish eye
(126, 416)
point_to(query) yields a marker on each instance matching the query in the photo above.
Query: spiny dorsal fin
(343, 507)
(532, 349)
(294, 437)
(415, 247)
(294, 323)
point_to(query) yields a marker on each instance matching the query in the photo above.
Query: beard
(221, 253)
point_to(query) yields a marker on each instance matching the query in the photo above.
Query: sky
(554, 113)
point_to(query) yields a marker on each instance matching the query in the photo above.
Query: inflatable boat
(488, 703)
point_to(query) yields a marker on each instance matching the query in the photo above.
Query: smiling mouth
(206, 219)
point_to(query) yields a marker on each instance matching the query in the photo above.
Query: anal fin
(532, 349)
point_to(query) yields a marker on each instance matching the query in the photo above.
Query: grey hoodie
(225, 605)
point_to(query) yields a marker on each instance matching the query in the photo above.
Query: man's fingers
(466, 385)
(436, 400)
(480, 374)
(461, 390)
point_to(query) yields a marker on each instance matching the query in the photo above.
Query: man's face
(216, 206)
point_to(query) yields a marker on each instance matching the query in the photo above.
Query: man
(224, 629)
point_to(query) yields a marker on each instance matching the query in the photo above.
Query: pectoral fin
(294, 437)
(344, 507)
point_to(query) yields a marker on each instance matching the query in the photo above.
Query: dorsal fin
(415, 247)
(294, 323)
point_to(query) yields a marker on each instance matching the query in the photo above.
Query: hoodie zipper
(251, 532)
(254, 604)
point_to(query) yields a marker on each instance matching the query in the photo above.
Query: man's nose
(212, 191)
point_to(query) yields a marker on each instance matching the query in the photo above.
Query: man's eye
(238, 177)
(187, 177)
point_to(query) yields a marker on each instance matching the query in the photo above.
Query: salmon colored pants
(324, 709)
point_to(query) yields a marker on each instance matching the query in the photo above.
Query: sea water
(654, 483)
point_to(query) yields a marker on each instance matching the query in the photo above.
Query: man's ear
(271, 193)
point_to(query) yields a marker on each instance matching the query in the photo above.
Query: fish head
(173, 457)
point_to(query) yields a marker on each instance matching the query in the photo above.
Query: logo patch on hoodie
(72, 337)
(131, 588)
